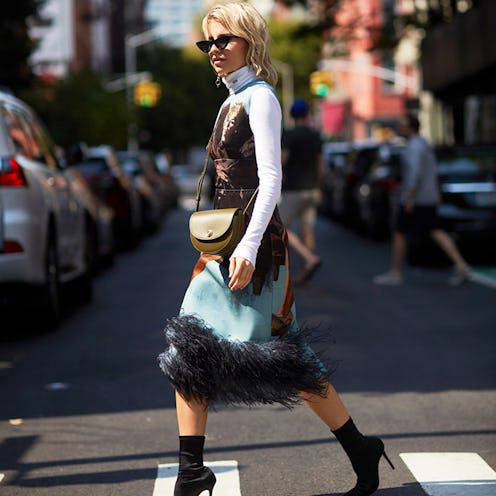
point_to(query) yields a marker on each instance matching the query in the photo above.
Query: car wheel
(51, 305)
(377, 224)
(377, 220)
(84, 284)
(91, 246)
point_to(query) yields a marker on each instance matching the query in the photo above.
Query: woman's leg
(364, 452)
(330, 408)
(191, 416)
(193, 476)
(449, 247)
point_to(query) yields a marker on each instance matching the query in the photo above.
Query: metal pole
(130, 69)
(286, 71)
(131, 42)
(379, 72)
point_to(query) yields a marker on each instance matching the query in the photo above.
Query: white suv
(42, 222)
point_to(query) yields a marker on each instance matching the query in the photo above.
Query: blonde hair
(243, 20)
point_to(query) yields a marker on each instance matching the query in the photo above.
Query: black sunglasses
(221, 42)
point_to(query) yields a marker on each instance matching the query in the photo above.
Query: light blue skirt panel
(220, 347)
(234, 315)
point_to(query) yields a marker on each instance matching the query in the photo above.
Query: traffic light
(147, 93)
(320, 83)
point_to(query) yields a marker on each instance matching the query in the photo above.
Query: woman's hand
(240, 273)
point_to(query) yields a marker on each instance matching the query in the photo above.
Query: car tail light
(389, 185)
(11, 247)
(11, 174)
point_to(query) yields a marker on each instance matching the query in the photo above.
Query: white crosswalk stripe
(226, 472)
(439, 474)
(452, 474)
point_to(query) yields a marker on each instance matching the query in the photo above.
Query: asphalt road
(84, 409)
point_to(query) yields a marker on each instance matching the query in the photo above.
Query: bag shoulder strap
(202, 177)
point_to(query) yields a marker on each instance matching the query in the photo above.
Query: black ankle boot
(364, 453)
(193, 477)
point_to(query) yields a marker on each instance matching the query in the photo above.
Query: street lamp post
(409, 82)
(286, 71)
(131, 42)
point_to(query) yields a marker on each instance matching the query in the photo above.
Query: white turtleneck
(265, 118)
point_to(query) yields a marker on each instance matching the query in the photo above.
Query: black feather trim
(203, 366)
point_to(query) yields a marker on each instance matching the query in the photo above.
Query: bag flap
(211, 224)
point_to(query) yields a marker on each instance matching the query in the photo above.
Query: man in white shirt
(418, 205)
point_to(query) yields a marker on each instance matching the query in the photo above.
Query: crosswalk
(226, 472)
(486, 276)
(439, 474)
(452, 474)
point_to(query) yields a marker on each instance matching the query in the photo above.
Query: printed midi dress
(240, 346)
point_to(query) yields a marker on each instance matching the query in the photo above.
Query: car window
(20, 135)
(92, 166)
(131, 165)
(45, 144)
(114, 164)
(29, 137)
(467, 167)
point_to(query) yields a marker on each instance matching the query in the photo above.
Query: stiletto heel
(365, 453)
(366, 466)
(388, 460)
(194, 482)
(193, 477)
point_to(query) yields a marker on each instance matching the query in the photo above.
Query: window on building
(389, 30)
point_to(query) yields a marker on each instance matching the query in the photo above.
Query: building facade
(176, 19)
(459, 70)
(84, 34)
(371, 87)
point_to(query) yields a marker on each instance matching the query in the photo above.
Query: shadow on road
(422, 337)
(24, 474)
(404, 490)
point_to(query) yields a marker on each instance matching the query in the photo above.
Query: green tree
(190, 100)
(425, 15)
(78, 108)
(297, 44)
(15, 43)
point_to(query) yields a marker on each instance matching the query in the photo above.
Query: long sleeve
(413, 159)
(265, 122)
(420, 173)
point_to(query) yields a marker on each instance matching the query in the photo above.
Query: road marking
(1, 477)
(484, 276)
(226, 472)
(452, 474)
(57, 386)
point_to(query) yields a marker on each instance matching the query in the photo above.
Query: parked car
(186, 177)
(43, 225)
(164, 169)
(467, 178)
(346, 164)
(100, 232)
(161, 178)
(147, 183)
(376, 195)
(467, 182)
(336, 156)
(107, 179)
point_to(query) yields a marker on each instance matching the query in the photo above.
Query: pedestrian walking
(419, 200)
(236, 338)
(303, 168)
